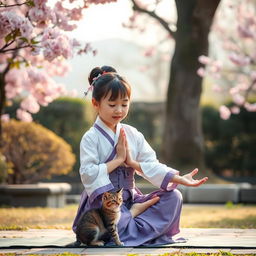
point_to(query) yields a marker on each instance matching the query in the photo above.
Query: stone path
(53, 241)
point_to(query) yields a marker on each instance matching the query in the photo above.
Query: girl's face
(111, 112)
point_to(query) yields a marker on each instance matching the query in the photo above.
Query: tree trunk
(2, 104)
(183, 138)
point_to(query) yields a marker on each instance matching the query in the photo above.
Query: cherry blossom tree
(233, 74)
(33, 48)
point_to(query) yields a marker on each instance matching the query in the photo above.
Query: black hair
(105, 79)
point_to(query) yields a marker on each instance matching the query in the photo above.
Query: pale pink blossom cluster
(100, 1)
(10, 22)
(224, 112)
(238, 75)
(33, 49)
(42, 15)
(5, 118)
(24, 115)
(14, 83)
(214, 66)
(42, 86)
(56, 44)
(39, 87)
(63, 17)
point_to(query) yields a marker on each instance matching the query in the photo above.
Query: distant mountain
(147, 75)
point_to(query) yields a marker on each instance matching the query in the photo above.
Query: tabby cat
(97, 226)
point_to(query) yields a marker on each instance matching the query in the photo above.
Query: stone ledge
(33, 195)
(213, 193)
(248, 195)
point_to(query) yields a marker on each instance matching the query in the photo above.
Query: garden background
(192, 72)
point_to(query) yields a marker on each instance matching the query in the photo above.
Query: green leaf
(24, 39)
(30, 3)
(15, 64)
(33, 41)
(8, 38)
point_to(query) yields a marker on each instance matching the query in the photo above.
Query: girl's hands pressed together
(121, 146)
(128, 161)
(120, 153)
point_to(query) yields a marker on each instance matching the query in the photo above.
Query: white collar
(113, 135)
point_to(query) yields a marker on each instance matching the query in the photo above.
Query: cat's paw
(120, 244)
(97, 243)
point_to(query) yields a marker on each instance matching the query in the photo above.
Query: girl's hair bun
(97, 71)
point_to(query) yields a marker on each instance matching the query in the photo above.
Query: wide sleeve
(155, 172)
(94, 175)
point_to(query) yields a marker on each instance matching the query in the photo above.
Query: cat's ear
(119, 191)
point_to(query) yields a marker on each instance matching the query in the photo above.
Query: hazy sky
(104, 21)
(120, 47)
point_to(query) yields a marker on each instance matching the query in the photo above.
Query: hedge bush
(34, 152)
(68, 117)
(230, 144)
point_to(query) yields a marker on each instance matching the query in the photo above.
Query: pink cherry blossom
(224, 112)
(238, 99)
(10, 21)
(239, 59)
(235, 110)
(253, 75)
(100, 1)
(14, 85)
(39, 3)
(5, 26)
(204, 59)
(251, 107)
(201, 72)
(56, 44)
(237, 72)
(5, 118)
(30, 104)
(42, 16)
(76, 14)
(245, 32)
(23, 115)
(34, 46)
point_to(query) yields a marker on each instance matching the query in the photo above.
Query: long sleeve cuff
(166, 183)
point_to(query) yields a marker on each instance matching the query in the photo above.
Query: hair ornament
(90, 88)
(96, 78)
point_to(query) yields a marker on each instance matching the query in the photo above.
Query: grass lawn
(193, 216)
(165, 254)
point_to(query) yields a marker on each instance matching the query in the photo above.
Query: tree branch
(250, 89)
(152, 14)
(16, 48)
(7, 45)
(2, 5)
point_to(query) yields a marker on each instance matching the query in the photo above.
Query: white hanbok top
(95, 149)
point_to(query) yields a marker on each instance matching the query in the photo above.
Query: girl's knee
(174, 196)
(177, 195)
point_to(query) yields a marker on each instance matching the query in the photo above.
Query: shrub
(230, 144)
(34, 152)
(68, 117)
(3, 168)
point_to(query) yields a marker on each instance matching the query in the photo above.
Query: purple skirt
(155, 226)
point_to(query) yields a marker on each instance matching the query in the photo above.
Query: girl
(111, 153)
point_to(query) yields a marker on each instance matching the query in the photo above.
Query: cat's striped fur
(96, 226)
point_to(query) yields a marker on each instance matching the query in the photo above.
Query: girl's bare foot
(139, 208)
